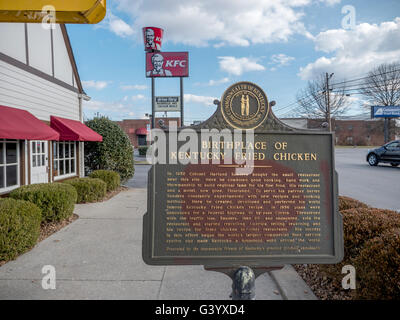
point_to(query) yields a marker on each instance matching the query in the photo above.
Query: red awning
(22, 125)
(141, 132)
(72, 130)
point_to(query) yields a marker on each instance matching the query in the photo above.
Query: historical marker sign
(283, 211)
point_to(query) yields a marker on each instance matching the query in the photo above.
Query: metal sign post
(153, 103)
(182, 119)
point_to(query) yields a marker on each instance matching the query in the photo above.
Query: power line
(344, 89)
(366, 77)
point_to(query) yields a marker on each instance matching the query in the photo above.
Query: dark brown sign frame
(270, 128)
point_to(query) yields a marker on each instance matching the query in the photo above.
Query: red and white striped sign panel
(167, 64)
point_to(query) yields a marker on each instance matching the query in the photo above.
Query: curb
(291, 285)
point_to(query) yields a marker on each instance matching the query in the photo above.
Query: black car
(389, 153)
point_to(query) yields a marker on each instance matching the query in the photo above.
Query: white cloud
(218, 82)
(238, 66)
(221, 22)
(96, 105)
(207, 101)
(118, 26)
(355, 52)
(331, 2)
(212, 83)
(134, 87)
(98, 85)
(281, 59)
(116, 110)
(138, 97)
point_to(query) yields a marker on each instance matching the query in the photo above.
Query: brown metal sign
(283, 211)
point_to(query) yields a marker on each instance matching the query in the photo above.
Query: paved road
(377, 186)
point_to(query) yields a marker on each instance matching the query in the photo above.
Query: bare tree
(318, 101)
(382, 87)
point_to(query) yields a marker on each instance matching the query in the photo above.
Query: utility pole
(328, 106)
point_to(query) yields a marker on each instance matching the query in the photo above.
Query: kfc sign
(167, 64)
(152, 38)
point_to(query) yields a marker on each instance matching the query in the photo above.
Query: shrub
(143, 150)
(88, 189)
(111, 178)
(349, 203)
(378, 267)
(56, 200)
(114, 153)
(361, 225)
(19, 227)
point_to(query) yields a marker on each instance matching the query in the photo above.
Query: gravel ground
(111, 194)
(48, 228)
(324, 287)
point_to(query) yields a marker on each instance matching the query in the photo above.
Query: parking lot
(377, 186)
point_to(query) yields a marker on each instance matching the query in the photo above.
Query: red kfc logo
(152, 37)
(167, 64)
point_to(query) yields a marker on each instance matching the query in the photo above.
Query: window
(393, 145)
(349, 140)
(38, 154)
(64, 155)
(142, 140)
(9, 164)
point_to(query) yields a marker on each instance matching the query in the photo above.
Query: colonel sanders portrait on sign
(157, 61)
(150, 43)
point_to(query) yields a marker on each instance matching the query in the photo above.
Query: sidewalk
(98, 256)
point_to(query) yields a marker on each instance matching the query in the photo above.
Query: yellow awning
(66, 11)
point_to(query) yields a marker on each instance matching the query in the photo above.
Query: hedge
(143, 150)
(56, 200)
(378, 267)
(19, 227)
(372, 247)
(111, 178)
(363, 224)
(114, 153)
(88, 189)
(349, 203)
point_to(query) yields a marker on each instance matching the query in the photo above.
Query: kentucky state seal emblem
(244, 106)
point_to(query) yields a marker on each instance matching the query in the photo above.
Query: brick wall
(356, 132)
(131, 125)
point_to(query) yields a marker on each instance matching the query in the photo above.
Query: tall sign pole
(182, 116)
(153, 103)
(152, 37)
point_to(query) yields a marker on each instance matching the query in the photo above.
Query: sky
(276, 44)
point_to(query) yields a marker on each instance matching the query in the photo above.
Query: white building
(41, 122)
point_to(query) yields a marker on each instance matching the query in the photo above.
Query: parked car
(389, 153)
